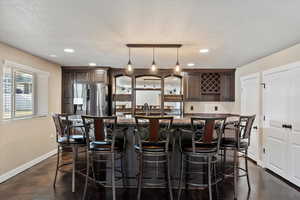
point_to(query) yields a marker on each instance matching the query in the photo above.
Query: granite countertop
(178, 120)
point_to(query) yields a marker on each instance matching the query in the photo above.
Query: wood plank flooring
(36, 184)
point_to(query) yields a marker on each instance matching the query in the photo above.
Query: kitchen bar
(146, 100)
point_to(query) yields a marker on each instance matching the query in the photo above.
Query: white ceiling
(235, 31)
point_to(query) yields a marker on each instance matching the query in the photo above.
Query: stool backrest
(154, 124)
(99, 129)
(245, 127)
(207, 131)
(62, 124)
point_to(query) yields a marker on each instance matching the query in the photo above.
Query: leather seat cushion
(153, 147)
(73, 139)
(200, 147)
(106, 145)
(231, 142)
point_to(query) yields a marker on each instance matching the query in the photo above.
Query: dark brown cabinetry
(197, 85)
(72, 75)
(67, 91)
(209, 85)
(192, 87)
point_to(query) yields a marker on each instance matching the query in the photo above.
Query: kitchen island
(131, 157)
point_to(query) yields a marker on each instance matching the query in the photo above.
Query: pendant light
(153, 67)
(129, 65)
(177, 67)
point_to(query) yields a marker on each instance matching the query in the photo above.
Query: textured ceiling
(235, 31)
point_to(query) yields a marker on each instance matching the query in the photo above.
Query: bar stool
(68, 135)
(105, 144)
(238, 144)
(153, 146)
(199, 147)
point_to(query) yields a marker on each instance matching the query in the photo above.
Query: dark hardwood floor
(36, 184)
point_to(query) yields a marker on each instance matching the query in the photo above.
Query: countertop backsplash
(209, 107)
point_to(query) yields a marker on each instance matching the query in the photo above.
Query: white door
(250, 95)
(276, 111)
(294, 131)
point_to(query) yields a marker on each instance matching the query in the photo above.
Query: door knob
(284, 126)
(289, 126)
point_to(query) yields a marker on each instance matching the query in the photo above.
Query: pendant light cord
(129, 54)
(153, 56)
(177, 55)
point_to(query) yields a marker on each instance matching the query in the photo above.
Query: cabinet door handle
(289, 126)
(255, 127)
(284, 126)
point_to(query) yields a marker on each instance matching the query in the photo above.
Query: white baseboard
(13, 172)
(260, 163)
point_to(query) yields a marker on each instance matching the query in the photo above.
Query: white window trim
(26, 69)
(13, 103)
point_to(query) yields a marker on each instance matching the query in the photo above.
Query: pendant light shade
(177, 66)
(153, 67)
(129, 65)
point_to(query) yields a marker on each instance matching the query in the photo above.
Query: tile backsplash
(209, 107)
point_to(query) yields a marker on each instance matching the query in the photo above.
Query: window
(23, 94)
(24, 91)
(18, 99)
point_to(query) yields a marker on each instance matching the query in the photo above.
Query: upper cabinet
(192, 87)
(148, 82)
(209, 85)
(74, 79)
(122, 88)
(173, 88)
(99, 76)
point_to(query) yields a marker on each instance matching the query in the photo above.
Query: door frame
(256, 76)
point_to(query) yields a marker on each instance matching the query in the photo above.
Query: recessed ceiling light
(190, 64)
(92, 64)
(53, 56)
(204, 50)
(69, 50)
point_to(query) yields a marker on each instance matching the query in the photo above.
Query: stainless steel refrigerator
(90, 99)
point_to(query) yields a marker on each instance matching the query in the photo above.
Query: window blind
(24, 91)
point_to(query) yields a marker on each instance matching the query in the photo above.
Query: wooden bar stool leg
(216, 179)
(247, 171)
(181, 176)
(140, 176)
(87, 175)
(209, 177)
(57, 165)
(169, 177)
(124, 170)
(73, 166)
(113, 175)
(235, 173)
(224, 163)
(187, 168)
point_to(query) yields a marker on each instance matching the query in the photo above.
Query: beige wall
(280, 58)
(24, 140)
